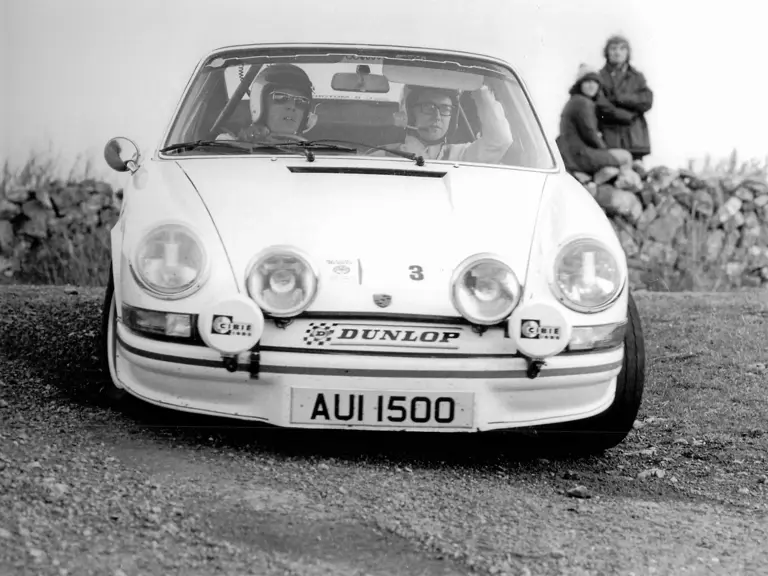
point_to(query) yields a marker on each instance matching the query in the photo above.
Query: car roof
(393, 48)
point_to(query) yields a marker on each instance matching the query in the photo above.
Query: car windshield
(345, 101)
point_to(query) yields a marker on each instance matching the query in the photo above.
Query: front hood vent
(365, 170)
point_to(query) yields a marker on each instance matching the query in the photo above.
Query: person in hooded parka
(580, 143)
(624, 100)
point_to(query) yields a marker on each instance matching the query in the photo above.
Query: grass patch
(707, 358)
(60, 261)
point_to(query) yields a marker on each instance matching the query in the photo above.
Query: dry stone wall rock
(32, 219)
(686, 231)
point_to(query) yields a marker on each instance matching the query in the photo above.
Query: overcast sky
(77, 72)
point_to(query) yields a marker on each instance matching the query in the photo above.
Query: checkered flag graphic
(318, 333)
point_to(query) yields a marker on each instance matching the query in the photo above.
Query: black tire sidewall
(609, 428)
(105, 311)
(108, 390)
(630, 382)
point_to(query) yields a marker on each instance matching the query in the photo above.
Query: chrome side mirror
(122, 154)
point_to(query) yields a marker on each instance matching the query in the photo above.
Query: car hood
(371, 227)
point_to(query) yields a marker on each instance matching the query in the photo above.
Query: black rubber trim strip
(373, 373)
(473, 374)
(297, 350)
(180, 359)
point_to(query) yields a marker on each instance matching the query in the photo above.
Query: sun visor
(433, 77)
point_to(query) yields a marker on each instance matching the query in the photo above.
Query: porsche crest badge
(382, 300)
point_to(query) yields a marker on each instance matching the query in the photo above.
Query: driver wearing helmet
(280, 104)
(430, 116)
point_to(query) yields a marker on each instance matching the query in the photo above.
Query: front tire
(608, 429)
(108, 391)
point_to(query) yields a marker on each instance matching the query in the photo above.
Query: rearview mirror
(362, 81)
(122, 154)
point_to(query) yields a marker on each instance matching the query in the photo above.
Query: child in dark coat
(580, 142)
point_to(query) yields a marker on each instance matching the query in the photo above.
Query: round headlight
(587, 276)
(170, 262)
(484, 290)
(282, 281)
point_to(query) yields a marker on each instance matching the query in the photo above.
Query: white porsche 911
(368, 237)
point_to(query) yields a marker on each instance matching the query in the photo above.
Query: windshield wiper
(410, 155)
(305, 146)
(187, 146)
(318, 145)
(243, 146)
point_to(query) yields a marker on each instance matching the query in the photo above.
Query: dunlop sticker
(339, 334)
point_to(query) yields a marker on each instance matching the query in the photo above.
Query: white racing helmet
(276, 76)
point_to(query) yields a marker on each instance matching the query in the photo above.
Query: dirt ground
(87, 489)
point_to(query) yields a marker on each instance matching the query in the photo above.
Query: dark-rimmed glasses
(432, 108)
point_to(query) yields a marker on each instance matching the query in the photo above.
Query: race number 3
(417, 272)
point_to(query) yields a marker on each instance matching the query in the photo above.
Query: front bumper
(482, 377)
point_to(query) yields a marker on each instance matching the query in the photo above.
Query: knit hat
(617, 39)
(587, 72)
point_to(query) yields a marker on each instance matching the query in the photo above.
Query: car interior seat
(372, 122)
(365, 121)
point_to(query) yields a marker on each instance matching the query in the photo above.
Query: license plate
(382, 409)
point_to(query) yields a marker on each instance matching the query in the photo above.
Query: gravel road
(86, 489)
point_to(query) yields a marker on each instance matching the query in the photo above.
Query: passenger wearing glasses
(281, 104)
(431, 115)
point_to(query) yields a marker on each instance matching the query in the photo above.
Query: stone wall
(683, 231)
(680, 230)
(55, 214)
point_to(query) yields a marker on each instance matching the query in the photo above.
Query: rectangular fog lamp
(156, 322)
(597, 337)
(147, 321)
(178, 325)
